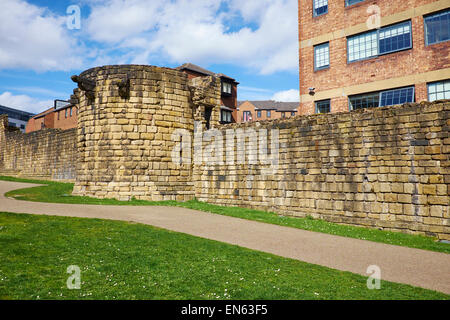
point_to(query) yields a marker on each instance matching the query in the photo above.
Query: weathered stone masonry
(127, 115)
(385, 167)
(48, 153)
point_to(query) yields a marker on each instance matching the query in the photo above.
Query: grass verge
(120, 260)
(56, 192)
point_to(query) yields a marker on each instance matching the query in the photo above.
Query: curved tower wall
(127, 115)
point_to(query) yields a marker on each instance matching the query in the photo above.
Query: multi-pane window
(439, 90)
(437, 27)
(386, 40)
(283, 115)
(293, 114)
(362, 101)
(362, 46)
(258, 114)
(226, 87)
(320, 7)
(382, 98)
(268, 114)
(321, 56)
(323, 106)
(225, 116)
(395, 38)
(397, 96)
(351, 2)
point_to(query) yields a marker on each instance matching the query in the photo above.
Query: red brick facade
(62, 118)
(228, 100)
(66, 118)
(271, 110)
(416, 67)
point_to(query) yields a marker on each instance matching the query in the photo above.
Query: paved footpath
(416, 267)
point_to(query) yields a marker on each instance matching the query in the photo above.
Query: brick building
(63, 115)
(360, 53)
(265, 110)
(228, 112)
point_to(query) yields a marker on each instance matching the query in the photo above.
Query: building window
(386, 40)
(269, 113)
(258, 114)
(247, 116)
(395, 38)
(22, 126)
(283, 115)
(58, 114)
(352, 2)
(362, 101)
(437, 27)
(397, 96)
(322, 56)
(11, 124)
(293, 114)
(70, 111)
(382, 98)
(439, 90)
(362, 46)
(323, 106)
(66, 113)
(320, 7)
(225, 116)
(42, 125)
(226, 87)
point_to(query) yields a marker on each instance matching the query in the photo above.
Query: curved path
(416, 267)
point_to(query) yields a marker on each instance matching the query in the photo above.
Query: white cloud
(287, 96)
(253, 89)
(260, 35)
(24, 102)
(34, 38)
(39, 91)
(198, 31)
(116, 20)
(251, 10)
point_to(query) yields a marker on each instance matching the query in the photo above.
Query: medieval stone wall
(127, 116)
(386, 168)
(142, 133)
(47, 154)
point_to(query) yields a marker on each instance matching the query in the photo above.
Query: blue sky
(253, 41)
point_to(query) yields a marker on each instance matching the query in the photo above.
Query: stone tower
(126, 121)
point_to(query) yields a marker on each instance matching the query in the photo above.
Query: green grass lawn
(57, 192)
(120, 260)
